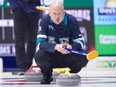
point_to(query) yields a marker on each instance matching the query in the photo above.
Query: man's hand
(60, 48)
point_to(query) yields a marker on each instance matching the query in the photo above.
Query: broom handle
(74, 51)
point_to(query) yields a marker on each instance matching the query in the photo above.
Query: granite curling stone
(68, 79)
(33, 75)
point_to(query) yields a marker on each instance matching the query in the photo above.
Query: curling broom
(42, 8)
(90, 56)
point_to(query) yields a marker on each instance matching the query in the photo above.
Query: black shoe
(46, 79)
(21, 73)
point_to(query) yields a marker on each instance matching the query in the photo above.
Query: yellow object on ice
(68, 73)
(59, 70)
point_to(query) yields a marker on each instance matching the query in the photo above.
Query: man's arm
(43, 36)
(78, 40)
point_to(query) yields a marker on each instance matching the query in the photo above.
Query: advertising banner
(105, 12)
(106, 39)
(7, 47)
(105, 26)
(102, 64)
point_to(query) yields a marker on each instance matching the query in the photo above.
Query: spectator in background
(26, 19)
(59, 30)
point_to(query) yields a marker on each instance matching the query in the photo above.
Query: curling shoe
(46, 79)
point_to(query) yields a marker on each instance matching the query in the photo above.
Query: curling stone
(33, 74)
(56, 72)
(68, 79)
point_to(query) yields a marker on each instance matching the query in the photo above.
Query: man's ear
(49, 13)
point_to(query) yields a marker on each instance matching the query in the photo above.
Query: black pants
(47, 61)
(25, 29)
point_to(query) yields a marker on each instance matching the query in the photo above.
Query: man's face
(57, 15)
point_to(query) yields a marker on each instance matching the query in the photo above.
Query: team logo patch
(51, 28)
(64, 40)
(51, 39)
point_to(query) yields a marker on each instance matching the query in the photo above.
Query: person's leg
(31, 33)
(43, 60)
(78, 62)
(19, 30)
(74, 61)
(46, 61)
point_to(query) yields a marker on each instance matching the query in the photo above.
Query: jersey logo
(51, 28)
(64, 40)
(51, 39)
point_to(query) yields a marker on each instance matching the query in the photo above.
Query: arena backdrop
(84, 15)
(96, 18)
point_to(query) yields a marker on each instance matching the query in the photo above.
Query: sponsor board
(105, 12)
(105, 39)
(7, 50)
(105, 63)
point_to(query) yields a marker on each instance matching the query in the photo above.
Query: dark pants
(25, 28)
(47, 61)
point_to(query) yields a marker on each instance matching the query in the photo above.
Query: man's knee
(39, 54)
(76, 67)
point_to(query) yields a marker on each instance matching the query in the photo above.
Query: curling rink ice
(100, 72)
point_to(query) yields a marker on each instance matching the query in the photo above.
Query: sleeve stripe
(41, 36)
(81, 41)
(37, 47)
(39, 40)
